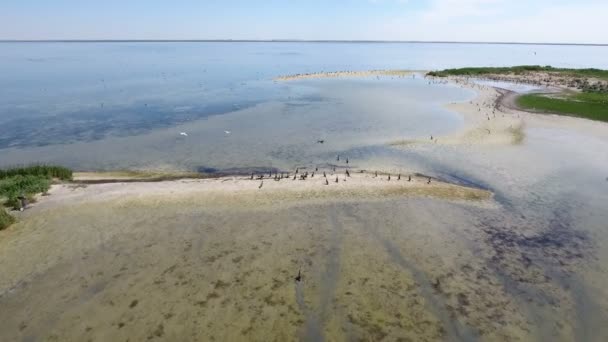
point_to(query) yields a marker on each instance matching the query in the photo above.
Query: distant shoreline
(286, 41)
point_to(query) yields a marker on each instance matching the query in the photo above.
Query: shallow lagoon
(530, 265)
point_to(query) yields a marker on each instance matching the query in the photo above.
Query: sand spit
(257, 192)
(340, 74)
(486, 120)
(494, 119)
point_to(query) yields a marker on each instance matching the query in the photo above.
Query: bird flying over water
(183, 133)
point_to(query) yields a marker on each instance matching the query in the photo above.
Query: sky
(547, 21)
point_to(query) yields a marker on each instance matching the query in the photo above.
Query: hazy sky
(583, 21)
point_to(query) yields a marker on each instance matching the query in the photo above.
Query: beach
(165, 256)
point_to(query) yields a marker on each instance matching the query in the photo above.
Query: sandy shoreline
(493, 118)
(243, 191)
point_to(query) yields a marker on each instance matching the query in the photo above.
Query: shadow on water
(533, 251)
(238, 171)
(312, 329)
(453, 329)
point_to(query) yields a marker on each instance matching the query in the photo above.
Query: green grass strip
(585, 105)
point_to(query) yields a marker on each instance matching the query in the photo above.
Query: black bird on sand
(262, 183)
(409, 178)
(399, 177)
(252, 175)
(294, 177)
(347, 173)
(326, 181)
(389, 177)
(336, 179)
(429, 181)
(299, 277)
(324, 175)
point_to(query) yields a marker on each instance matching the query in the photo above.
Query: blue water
(58, 94)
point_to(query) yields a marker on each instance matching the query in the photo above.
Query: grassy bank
(585, 105)
(521, 70)
(28, 181)
(47, 171)
(5, 219)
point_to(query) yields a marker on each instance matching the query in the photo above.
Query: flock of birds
(298, 175)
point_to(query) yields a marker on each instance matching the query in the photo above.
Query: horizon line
(283, 41)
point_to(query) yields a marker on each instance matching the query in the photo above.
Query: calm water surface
(123, 105)
(62, 99)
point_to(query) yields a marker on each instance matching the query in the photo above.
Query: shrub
(13, 187)
(6, 219)
(48, 171)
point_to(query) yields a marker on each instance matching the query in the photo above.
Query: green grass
(592, 106)
(48, 171)
(521, 69)
(28, 181)
(5, 219)
(13, 187)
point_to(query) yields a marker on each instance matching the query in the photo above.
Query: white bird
(183, 133)
(227, 132)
